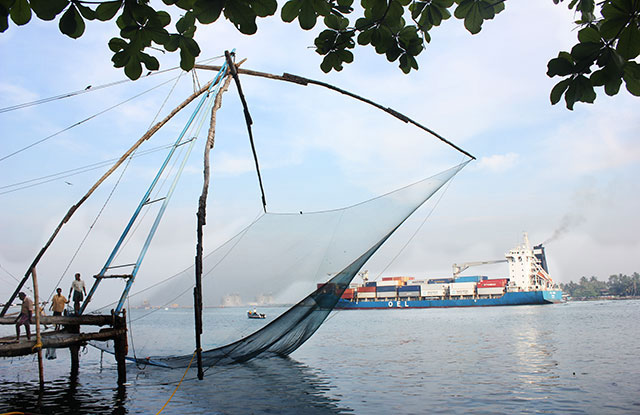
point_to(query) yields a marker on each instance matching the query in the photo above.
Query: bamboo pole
(38, 345)
(117, 164)
(202, 213)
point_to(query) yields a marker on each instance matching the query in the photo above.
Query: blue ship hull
(510, 298)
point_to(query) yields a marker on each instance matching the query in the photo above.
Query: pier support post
(75, 360)
(121, 347)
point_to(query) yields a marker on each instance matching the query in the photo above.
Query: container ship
(529, 282)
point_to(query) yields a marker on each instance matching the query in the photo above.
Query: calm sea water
(579, 357)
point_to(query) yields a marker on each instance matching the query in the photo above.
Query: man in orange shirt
(57, 304)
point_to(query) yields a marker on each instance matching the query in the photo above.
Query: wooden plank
(89, 320)
(57, 340)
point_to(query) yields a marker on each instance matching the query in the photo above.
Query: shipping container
(386, 289)
(409, 294)
(386, 294)
(433, 290)
(370, 284)
(493, 283)
(490, 290)
(389, 283)
(409, 288)
(367, 290)
(360, 295)
(462, 288)
(440, 280)
(470, 278)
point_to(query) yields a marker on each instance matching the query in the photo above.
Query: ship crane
(458, 268)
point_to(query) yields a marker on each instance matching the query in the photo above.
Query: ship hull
(510, 298)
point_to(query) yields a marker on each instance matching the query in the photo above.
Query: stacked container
(409, 291)
(366, 292)
(386, 291)
(462, 288)
(349, 294)
(440, 280)
(433, 290)
(470, 278)
(492, 287)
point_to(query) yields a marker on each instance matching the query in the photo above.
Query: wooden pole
(202, 213)
(120, 345)
(38, 345)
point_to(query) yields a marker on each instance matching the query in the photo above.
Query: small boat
(255, 314)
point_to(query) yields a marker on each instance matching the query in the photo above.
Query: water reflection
(534, 347)
(277, 385)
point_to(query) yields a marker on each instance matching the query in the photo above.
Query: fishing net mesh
(280, 256)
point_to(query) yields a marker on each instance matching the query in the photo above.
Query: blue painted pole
(146, 196)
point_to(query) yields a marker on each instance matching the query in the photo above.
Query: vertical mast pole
(202, 212)
(38, 345)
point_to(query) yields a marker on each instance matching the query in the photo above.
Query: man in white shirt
(77, 288)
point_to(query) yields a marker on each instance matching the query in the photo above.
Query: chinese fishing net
(279, 256)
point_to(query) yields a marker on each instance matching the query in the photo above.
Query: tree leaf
(586, 50)
(589, 34)
(241, 15)
(149, 61)
(290, 10)
(133, 69)
(473, 21)
(4, 22)
(612, 87)
(629, 42)
(48, 9)
(106, 11)
(264, 8)
(307, 17)
(20, 12)
(71, 23)
(559, 66)
(86, 12)
(116, 44)
(558, 90)
(322, 7)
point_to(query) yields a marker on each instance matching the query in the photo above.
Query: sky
(568, 178)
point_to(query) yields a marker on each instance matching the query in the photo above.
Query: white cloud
(498, 163)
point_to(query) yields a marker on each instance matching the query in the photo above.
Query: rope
(249, 122)
(416, 231)
(42, 140)
(179, 383)
(72, 172)
(75, 93)
(90, 89)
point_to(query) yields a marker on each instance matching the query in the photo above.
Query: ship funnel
(538, 251)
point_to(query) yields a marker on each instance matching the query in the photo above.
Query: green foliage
(604, 55)
(618, 285)
(381, 24)
(608, 44)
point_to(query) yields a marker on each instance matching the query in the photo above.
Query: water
(577, 357)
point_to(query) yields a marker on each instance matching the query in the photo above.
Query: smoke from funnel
(567, 223)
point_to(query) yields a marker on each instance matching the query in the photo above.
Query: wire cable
(42, 140)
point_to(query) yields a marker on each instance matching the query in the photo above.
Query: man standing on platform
(57, 304)
(25, 316)
(77, 288)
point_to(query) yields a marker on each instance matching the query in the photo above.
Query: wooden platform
(9, 347)
(72, 335)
